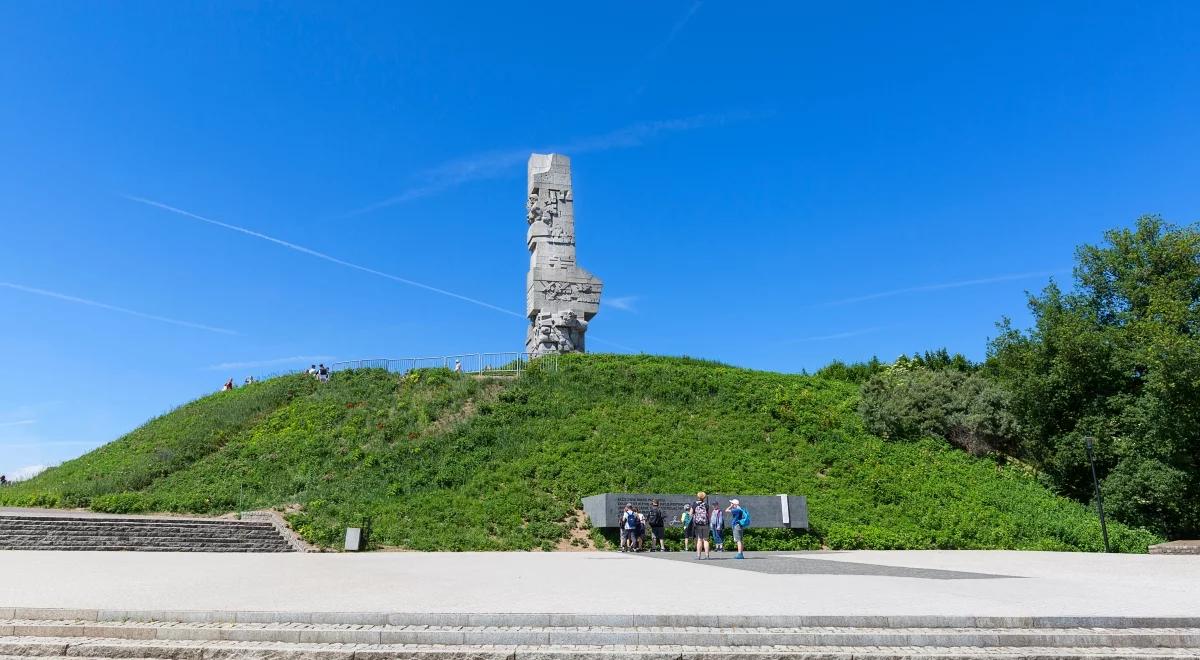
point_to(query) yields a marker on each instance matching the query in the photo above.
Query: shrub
(907, 401)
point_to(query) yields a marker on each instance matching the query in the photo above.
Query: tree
(909, 400)
(1117, 358)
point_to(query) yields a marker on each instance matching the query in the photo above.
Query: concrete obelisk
(560, 297)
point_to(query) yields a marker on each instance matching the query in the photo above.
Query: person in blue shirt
(737, 519)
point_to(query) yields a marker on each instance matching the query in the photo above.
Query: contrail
(944, 285)
(837, 335)
(114, 308)
(491, 164)
(322, 255)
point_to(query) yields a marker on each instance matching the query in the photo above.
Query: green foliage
(855, 372)
(941, 359)
(1117, 358)
(169, 443)
(909, 400)
(440, 461)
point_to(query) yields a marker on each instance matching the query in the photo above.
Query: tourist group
(700, 519)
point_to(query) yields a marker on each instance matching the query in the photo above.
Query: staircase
(200, 635)
(88, 532)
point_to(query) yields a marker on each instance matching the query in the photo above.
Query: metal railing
(488, 364)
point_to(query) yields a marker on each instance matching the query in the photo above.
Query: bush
(907, 401)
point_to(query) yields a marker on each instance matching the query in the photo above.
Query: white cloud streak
(114, 308)
(491, 164)
(676, 29)
(831, 337)
(623, 303)
(275, 362)
(19, 422)
(942, 286)
(321, 255)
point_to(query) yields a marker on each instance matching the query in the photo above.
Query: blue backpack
(744, 519)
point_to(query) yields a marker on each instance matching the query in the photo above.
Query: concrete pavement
(867, 583)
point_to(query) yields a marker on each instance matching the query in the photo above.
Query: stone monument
(560, 297)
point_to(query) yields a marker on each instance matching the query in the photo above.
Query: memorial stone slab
(770, 511)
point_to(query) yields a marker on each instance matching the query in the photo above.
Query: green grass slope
(448, 462)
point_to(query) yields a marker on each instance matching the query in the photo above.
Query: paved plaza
(947, 583)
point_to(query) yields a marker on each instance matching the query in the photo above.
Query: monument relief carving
(560, 297)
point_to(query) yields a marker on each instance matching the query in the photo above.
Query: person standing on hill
(700, 518)
(740, 519)
(323, 373)
(228, 387)
(656, 521)
(717, 523)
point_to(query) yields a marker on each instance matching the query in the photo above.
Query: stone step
(1176, 638)
(563, 620)
(82, 649)
(64, 533)
(86, 533)
(158, 529)
(147, 548)
(179, 522)
(184, 529)
(40, 538)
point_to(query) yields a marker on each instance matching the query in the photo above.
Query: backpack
(744, 519)
(654, 518)
(630, 521)
(700, 513)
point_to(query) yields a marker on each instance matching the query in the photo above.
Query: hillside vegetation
(441, 461)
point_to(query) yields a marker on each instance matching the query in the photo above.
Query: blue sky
(772, 188)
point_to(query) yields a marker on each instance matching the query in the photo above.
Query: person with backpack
(323, 373)
(656, 522)
(717, 523)
(740, 519)
(628, 528)
(700, 528)
(641, 528)
(686, 519)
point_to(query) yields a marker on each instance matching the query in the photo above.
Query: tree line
(1116, 357)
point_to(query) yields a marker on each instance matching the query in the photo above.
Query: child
(717, 521)
(686, 519)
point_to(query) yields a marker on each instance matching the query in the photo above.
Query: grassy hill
(454, 462)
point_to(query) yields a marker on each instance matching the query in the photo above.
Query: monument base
(773, 511)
